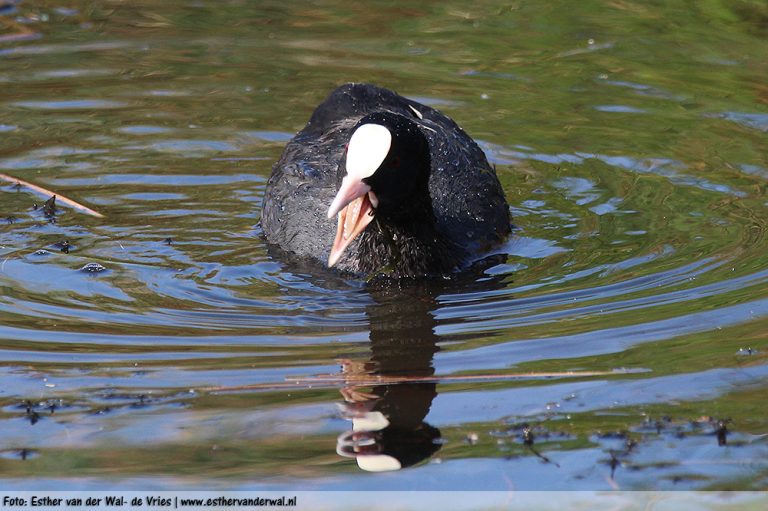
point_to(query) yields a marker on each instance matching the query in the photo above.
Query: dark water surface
(630, 138)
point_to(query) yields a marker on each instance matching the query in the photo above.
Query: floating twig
(372, 379)
(48, 193)
(364, 380)
(22, 33)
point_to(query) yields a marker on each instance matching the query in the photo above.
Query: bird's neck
(409, 246)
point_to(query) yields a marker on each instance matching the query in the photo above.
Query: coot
(378, 184)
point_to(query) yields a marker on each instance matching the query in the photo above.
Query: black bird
(412, 193)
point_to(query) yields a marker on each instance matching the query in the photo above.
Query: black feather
(459, 215)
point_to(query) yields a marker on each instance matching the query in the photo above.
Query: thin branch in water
(48, 193)
(365, 379)
(334, 380)
(21, 33)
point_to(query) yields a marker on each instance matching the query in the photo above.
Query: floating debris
(142, 400)
(528, 436)
(722, 432)
(63, 246)
(363, 379)
(13, 454)
(168, 241)
(31, 415)
(49, 208)
(93, 268)
(614, 464)
(18, 184)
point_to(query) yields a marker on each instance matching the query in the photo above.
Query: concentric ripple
(610, 342)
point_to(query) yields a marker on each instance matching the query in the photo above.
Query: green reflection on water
(630, 138)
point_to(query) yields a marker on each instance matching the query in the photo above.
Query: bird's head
(385, 173)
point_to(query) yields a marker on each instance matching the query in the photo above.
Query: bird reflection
(389, 431)
(388, 427)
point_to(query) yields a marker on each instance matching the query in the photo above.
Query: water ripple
(71, 104)
(631, 295)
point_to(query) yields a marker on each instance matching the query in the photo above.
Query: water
(618, 343)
